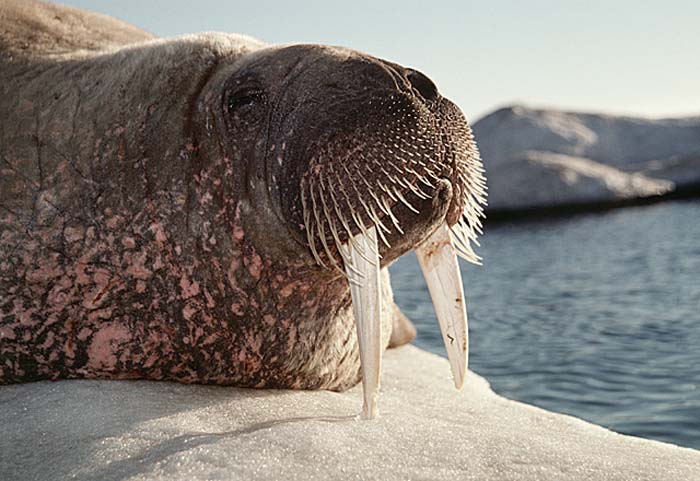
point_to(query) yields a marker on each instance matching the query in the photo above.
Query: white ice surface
(139, 430)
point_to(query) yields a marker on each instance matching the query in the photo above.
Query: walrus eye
(240, 102)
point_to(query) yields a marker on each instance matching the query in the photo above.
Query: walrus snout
(343, 141)
(371, 159)
(395, 159)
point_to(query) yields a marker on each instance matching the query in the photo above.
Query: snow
(137, 430)
(547, 158)
(545, 179)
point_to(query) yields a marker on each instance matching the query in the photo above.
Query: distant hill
(539, 159)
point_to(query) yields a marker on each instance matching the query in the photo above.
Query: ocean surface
(596, 315)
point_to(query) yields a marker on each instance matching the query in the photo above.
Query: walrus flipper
(403, 331)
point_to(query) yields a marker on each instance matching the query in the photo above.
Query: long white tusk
(363, 274)
(438, 260)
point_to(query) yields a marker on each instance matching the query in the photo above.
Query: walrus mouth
(350, 209)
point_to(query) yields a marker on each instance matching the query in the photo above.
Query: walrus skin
(151, 220)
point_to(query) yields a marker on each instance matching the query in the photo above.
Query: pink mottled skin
(103, 308)
(149, 202)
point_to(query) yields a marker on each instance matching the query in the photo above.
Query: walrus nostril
(425, 87)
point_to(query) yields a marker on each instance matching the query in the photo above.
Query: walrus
(213, 209)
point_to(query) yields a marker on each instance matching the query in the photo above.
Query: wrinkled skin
(150, 203)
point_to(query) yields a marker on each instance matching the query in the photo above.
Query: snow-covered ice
(140, 430)
(548, 158)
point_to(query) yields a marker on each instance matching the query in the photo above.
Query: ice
(138, 430)
(547, 158)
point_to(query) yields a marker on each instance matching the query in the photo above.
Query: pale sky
(624, 56)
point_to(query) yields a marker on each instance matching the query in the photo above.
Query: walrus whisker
(331, 226)
(356, 218)
(399, 170)
(370, 214)
(433, 175)
(346, 260)
(376, 200)
(346, 225)
(392, 179)
(419, 193)
(420, 177)
(405, 202)
(311, 226)
(386, 190)
(376, 218)
(307, 225)
(362, 226)
(431, 160)
(363, 229)
(383, 206)
(336, 206)
(421, 163)
(473, 219)
(321, 232)
(385, 241)
(465, 252)
(324, 243)
(471, 224)
(343, 221)
(402, 182)
(424, 180)
(379, 203)
(339, 214)
(390, 213)
(334, 232)
(478, 187)
(408, 185)
(463, 237)
(319, 225)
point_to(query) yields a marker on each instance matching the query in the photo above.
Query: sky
(617, 56)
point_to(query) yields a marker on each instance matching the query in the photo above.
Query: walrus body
(151, 220)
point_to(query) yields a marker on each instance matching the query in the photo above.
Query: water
(597, 316)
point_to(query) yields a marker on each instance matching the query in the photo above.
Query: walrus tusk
(362, 270)
(438, 260)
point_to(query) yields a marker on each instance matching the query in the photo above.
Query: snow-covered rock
(545, 158)
(140, 430)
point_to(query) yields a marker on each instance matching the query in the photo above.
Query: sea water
(594, 315)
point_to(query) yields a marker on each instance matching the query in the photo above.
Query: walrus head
(360, 160)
